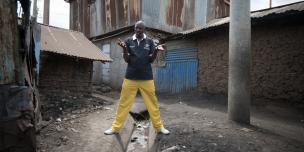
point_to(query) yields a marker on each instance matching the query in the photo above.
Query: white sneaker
(164, 131)
(110, 132)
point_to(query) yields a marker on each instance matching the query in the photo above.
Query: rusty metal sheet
(110, 14)
(134, 10)
(174, 15)
(123, 13)
(166, 15)
(189, 14)
(103, 16)
(200, 12)
(174, 12)
(86, 19)
(151, 12)
(71, 43)
(80, 16)
(296, 7)
(221, 9)
(74, 16)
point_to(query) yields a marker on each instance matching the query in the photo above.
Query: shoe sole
(111, 133)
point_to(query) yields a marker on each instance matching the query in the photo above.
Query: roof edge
(123, 30)
(73, 56)
(221, 22)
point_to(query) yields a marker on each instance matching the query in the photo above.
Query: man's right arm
(125, 49)
(126, 54)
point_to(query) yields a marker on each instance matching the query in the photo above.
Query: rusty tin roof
(298, 7)
(71, 43)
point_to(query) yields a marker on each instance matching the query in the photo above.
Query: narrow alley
(197, 123)
(151, 75)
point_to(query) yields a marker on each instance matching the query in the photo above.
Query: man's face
(139, 31)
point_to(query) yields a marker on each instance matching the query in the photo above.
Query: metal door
(106, 67)
(180, 72)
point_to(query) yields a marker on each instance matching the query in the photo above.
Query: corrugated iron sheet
(71, 43)
(174, 12)
(174, 15)
(180, 72)
(123, 12)
(80, 19)
(134, 8)
(258, 14)
(150, 12)
(217, 9)
(181, 54)
(109, 15)
(167, 15)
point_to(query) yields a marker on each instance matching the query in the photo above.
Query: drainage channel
(139, 138)
(144, 138)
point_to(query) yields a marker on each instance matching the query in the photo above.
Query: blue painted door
(180, 72)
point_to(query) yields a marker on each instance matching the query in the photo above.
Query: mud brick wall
(277, 61)
(63, 75)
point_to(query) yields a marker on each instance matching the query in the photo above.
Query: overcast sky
(59, 13)
(262, 4)
(59, 10)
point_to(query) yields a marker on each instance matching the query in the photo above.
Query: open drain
(139, 138)
(144, 138)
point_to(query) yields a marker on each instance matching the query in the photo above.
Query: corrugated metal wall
(109, 15)
(217, 9)
(180, 72)
(80, 16)
(167, 15)
(174, 15)
(103, 16)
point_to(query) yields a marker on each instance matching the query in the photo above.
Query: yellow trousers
(127, 97)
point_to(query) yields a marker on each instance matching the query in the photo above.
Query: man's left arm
(153, 53)
(154, 50)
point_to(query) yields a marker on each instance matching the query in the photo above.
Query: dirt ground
(197, 124)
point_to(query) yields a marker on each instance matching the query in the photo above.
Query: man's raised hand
(160, 47)
(121, 43)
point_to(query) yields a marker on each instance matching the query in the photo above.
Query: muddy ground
(197, 124)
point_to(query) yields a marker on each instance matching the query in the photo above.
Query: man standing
(139, 52)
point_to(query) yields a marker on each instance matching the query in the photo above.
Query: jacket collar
(134, 36)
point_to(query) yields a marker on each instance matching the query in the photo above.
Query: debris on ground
(171, 149)
(107, 108)
(103, 88)
(58, 120)
(59, 128)
(42, 124)
(192, 129)
(74, 130)
(69, 104)
(246, 130)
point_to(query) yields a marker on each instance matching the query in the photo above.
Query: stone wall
(213, 62)
(277, 61)
(61, 75)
